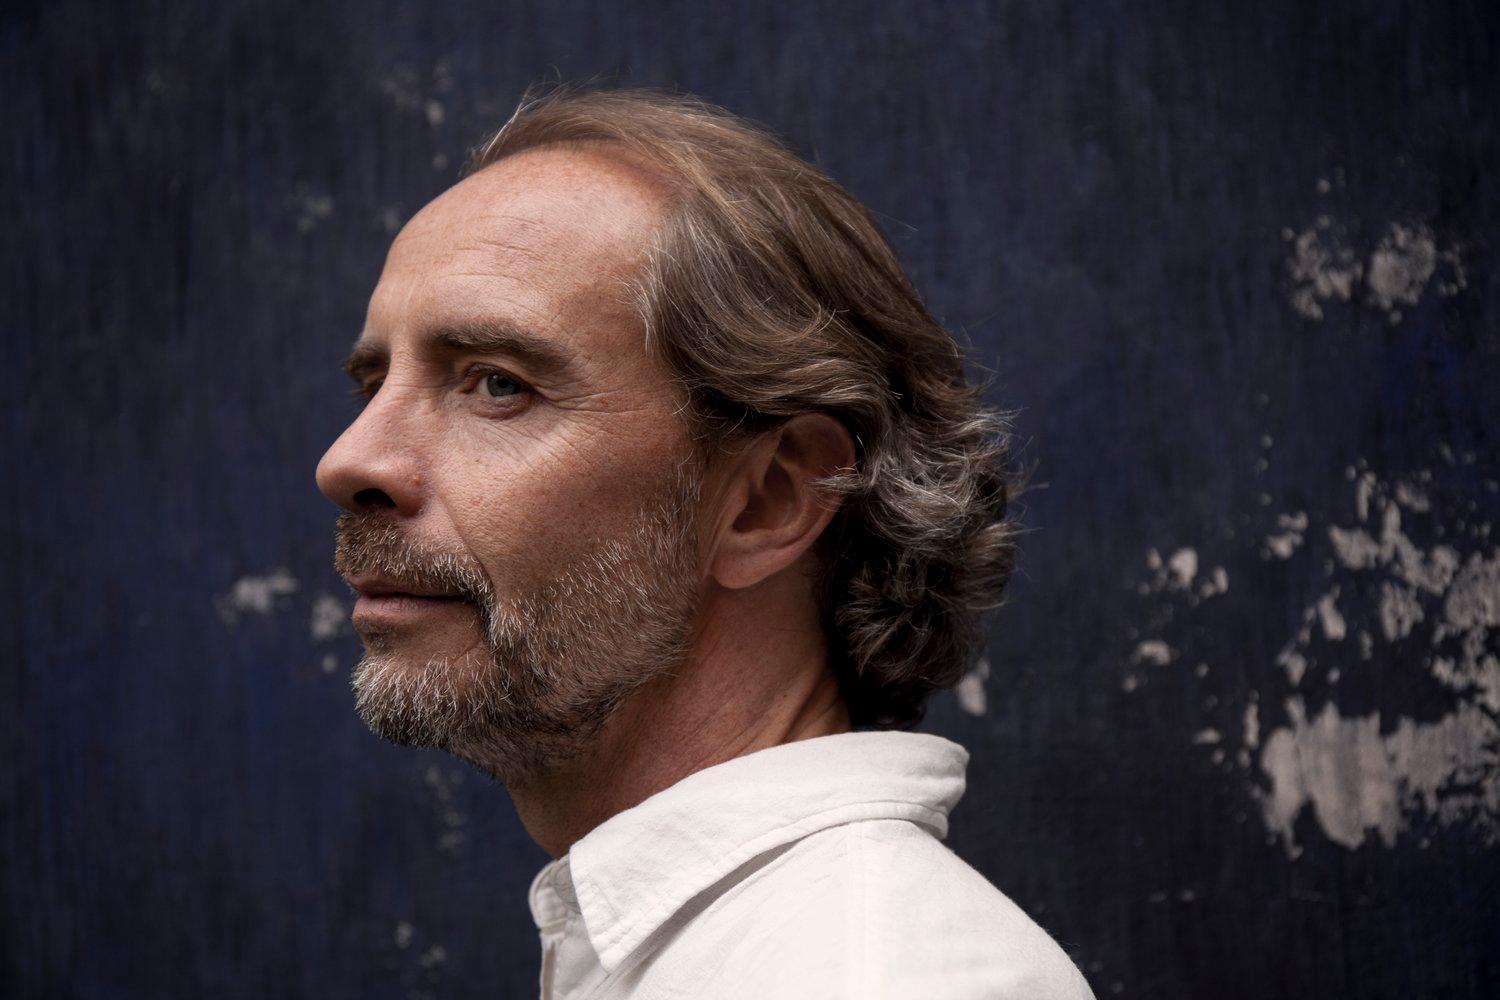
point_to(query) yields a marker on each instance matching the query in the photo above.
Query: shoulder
(871, 909)
(930, 917)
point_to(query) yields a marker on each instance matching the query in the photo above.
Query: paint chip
(254, 595)
(329, 616)
(970, 690)
(1153, 651)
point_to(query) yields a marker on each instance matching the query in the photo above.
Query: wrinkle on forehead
(549, 239)
(578, 220)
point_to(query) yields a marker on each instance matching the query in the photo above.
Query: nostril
(373, 497)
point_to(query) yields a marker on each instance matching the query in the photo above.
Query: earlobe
(778, 512)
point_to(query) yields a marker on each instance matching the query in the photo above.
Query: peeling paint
(1293, 662)
(1183, 566)
(1152, 651)
(1323, 266)
(441, 783)
(970, 690)
(1400, 268)
(1216, 584)
(312, 209)
(1360, 783)
(1399, 611)
(1431, 606)
(329, 617)
(1334, 626)
(254, 595)
(1180, 573)
(1291, 528)
(1366, 776)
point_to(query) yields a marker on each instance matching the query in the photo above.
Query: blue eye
(498, 386)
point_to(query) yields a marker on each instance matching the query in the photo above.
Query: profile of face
(520, 492)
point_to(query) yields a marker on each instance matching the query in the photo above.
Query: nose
(373, 464)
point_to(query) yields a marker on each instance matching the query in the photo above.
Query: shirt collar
(635, 870)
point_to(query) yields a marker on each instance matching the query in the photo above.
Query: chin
(420, 702)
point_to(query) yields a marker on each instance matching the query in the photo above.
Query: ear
(772, 513)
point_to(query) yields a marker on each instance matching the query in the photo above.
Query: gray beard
(558, 660)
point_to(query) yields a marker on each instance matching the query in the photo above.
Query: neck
(744, 687)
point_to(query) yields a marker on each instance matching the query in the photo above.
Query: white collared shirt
(813, 869)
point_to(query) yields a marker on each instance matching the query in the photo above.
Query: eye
(498, 385)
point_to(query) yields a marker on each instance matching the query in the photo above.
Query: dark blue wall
(1233, 261)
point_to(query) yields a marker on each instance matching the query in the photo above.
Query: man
(669, 506)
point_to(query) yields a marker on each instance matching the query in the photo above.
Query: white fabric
(808, 870)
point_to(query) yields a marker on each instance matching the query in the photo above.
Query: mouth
(378, 586)
(394, 609)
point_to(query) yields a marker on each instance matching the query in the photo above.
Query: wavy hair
(770, 291)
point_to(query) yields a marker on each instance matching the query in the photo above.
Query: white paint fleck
(1205, 737)
(441, 783)
(402, 87)
(1399, 611)
(1216, 583)
(1291, 528)
(1251, 734)
(389, 218)
(1183, 566)
(254, 595)
(1324, 267)
(970, 690)
(1363, 780)
(1354, 547)
(330, 663)
(312, 209)
(329, 616)
(403, 935)
(1473, 602)
(1358, 781)
(434, 112)
(1400, 268)
(1413, 498)
(1321, 267)
(435, 956)
(1336, 765)
(1293, 662)
(1153, 651)
(1334, 626)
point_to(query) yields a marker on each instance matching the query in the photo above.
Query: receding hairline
(651, 173)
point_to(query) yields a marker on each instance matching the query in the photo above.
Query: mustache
(372, 542)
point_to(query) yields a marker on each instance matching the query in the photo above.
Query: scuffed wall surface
(1236, 732)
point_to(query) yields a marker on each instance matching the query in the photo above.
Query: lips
(380, 587)
(391, 607)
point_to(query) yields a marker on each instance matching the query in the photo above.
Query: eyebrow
(480, 336)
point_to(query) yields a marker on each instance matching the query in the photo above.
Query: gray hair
(769, 291)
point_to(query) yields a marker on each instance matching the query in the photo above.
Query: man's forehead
(547, 238)
(586, 204)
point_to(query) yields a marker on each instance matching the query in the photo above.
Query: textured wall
(1237, 731)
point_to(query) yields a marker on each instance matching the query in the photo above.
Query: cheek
(522, 505)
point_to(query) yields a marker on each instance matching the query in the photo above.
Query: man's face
(521, 465)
